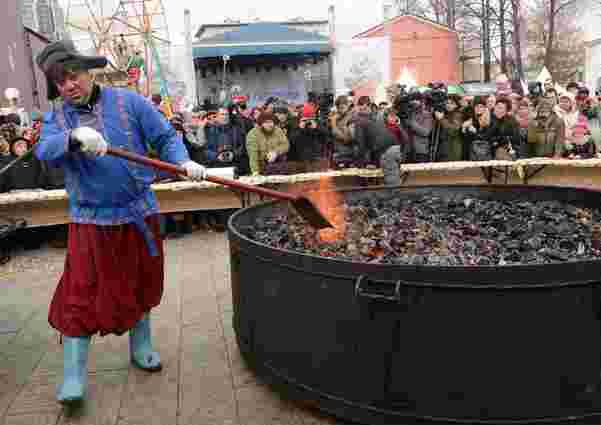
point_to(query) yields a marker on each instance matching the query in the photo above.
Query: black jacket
(306, 144)
(53, 177)
(5, 160)
(372, 137)
(26, 175)
(504, 131)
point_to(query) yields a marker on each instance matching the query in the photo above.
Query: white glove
(91, 141)
(195, 171)
(271, 156)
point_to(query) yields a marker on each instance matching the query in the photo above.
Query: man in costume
(113, 272)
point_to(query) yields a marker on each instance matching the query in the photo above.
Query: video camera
(404, 102)
(437, 97)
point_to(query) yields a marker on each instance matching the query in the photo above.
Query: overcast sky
(352, 16)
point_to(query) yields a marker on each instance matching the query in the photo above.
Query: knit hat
(264, 117)
(308, 111)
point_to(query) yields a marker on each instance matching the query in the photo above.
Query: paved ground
(204, 381)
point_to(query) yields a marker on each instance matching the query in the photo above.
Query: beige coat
(259, 144)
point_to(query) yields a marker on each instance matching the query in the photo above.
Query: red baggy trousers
(110, 280)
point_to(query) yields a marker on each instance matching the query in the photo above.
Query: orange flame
(331, 205)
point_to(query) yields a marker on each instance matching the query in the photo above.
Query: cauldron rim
(452, 269)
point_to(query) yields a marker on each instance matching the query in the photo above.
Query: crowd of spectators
(282, 138)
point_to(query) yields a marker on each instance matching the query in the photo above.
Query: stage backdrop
(362, 65)
(286, 84)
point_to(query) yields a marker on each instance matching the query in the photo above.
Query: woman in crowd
(475, 132)
(581, 145)
(266, 144)
(523, 116)
(568, 112)
(451, 122)
(504, 134)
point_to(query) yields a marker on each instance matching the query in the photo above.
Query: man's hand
(271, 156)
(195, 171)
(90, 141)
(438, 115)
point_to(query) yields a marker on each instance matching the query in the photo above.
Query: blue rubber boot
(140, 347)
(75, 376)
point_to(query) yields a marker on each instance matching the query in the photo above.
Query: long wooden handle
(177, 170)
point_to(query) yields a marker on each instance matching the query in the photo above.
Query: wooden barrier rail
(49, 207)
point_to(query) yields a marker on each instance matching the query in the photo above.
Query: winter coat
(306, 144)
(220, 140)
(259, 144)
(107, 190)
(569, 118)
(54, 177)
(421, 128)
(504, 133)
(452, 125)
(546, 140)
(4, 161)
(372, 138)
(399, 133)
(26, 175)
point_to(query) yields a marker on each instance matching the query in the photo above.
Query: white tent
(544, 75)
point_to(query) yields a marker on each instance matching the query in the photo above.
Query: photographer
(306, 145)
(375, 143)
(223, 141)
(419, 125)
(240, 116)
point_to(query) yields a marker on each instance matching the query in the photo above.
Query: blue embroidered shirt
(108, 190)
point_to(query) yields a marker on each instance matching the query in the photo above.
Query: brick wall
(428, 51)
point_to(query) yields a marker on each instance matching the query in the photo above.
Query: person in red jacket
(394, 126)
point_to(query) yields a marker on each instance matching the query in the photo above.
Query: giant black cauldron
(387, 344)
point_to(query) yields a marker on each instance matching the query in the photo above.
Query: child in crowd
(581, 145)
